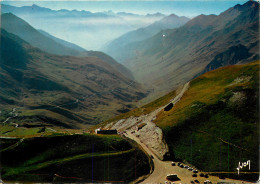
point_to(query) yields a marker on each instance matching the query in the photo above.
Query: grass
(10, 131)
(38, 159)
(29, 167)
(215, 125)
(206, 89)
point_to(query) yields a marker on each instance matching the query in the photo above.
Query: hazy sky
(179, 7)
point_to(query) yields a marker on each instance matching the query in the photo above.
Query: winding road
(12, 112)
(162, 168)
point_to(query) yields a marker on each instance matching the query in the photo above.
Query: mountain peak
(34, 5)
(251, 3)
(248, 4)
(158, 14)
(9, 15)
(173, 16)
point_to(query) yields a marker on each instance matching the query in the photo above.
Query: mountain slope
(83, 53)
(169, 22)
(215, 125)
(19, 27)
(109, 60)
(211, 125)
(185, 52)
(53, 45)
(63, 42)
(61, 91)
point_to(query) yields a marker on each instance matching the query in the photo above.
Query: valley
(164, 97)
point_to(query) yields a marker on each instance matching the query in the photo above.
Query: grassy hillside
(76, 158)
(215, 125)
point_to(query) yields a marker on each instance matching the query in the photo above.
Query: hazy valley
(170, 89)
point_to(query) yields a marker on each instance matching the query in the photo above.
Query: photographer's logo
(243, 164)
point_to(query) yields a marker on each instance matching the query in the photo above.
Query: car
(173, 164)
(207, 182)
(194, 175)
(186, 167)
(206, 176)
(195, 171)
(171, 177)
(192, 182)
(201, 174)
(190, 169)
(196, 181)
(179, 164)
(166, 182)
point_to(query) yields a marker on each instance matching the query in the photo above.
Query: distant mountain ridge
(51, 44)
(34, 8)
(175, 56)
(169, 22)
(91, 30)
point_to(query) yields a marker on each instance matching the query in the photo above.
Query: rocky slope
(145, 129)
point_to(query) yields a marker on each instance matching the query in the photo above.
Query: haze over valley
(129, 92)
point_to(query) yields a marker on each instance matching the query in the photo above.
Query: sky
(180, 7)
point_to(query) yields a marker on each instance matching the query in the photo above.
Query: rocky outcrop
(145, 130)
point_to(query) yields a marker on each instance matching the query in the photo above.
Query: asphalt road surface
(162, 168)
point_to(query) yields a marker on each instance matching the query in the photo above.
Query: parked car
(201, 174)
(195, 171)
(194, 175)
(171, 177)
(207, 182)
(196, 181)
(173, 164)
